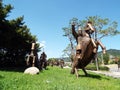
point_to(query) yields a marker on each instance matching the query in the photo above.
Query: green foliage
(104, 26)
(15, 38)
(93, 67)
(106, 58)
(114, 52)
(52, 59)
(111, 52)
(56, 79)
(4, 10)
(67, 51)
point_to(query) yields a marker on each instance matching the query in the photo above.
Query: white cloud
(42, 44)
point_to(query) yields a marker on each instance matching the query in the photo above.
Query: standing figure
(43, 61)
(31, 58)
(78, 37)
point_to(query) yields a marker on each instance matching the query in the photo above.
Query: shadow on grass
(13, 69)
(16, 69)
(91, 76)
(1, 76)
(94, 76)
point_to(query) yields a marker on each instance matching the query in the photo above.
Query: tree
(15, 38)
(67, 51)
(104, 27)
(106, 58)
(70, 49)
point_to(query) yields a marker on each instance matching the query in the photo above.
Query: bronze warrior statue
(86, 48)
(43, 61)
(87, 32)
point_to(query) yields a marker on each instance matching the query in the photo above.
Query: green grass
(56, 78)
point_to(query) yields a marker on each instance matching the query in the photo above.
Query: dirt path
(113, 71)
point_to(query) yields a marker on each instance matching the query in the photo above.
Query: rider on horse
(89, 29)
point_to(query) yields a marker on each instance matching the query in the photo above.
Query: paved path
(113, 71)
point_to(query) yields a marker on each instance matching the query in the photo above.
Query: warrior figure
(88, 31)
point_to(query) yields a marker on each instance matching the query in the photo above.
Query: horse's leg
(84, 71)
(73, 69)
(102, 46)
(94, 45)
(33, 63)
(74, 64)
(93, 42)
(76, 72)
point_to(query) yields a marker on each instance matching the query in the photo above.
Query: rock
(31, 70)
(66, 67)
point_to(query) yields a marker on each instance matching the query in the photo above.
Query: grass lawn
(56, 78)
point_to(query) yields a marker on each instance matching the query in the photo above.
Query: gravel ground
(113, 71)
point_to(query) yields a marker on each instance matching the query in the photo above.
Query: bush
(93, 67)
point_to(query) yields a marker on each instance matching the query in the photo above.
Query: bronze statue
(89, 29)
(86, 48)
(33, 56)
(43, 61)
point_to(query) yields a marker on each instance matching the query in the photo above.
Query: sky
(46, 18)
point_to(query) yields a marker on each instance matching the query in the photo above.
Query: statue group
(86, 48)
(32, 59)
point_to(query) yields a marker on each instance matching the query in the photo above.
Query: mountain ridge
(113, 52)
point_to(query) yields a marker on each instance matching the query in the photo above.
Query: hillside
(113, 52)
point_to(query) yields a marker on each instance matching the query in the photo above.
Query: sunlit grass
(56, 79)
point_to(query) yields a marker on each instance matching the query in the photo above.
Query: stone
(32, 70)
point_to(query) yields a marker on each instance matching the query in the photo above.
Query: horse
(86, 49)
(87, 56)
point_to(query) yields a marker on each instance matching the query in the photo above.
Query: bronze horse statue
(87, 56)
(86, 50)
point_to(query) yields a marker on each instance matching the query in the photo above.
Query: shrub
(93, 67)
